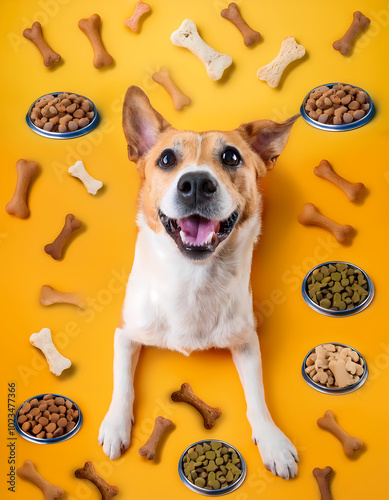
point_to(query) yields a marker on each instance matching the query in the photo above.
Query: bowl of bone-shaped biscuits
(334, 368)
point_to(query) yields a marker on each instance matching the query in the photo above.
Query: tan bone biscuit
(36, 36)
(161, 425)
(358, 23)
(18, 206)
(353, 190)
(90, 27)
(186, 395)
(140, 9)
(350, 444)
(29, 473)
(50, 296)
(231, 13)
(88, 472)
(290, 51)
(179, 98)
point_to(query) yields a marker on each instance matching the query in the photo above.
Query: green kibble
(205, 462)
(318, 276)
(356, 297)
(219, 461)
(336, 276)
(324, 271)
(337, 287)
(201, 458)
(200, 481)
(319, 296)
(222, 479)
(224, 450)
(211, 477)
(211, 466)
(199, 449)
(340, 266)
(215, 445)
(348, 300)
(345, 282)
(193, 455)
(223, 469)
(210, 455)
(331, 268)
(206, 447)
(229, 476)
(226, 458)
(326, 303)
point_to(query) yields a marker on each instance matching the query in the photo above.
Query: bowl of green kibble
(337, 289)
(212, 467)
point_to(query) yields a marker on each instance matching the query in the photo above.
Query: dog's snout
(196, 186)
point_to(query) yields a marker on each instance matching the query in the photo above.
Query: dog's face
(198, 187)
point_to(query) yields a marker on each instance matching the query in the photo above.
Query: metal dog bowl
(34, 439)
(331, 390)
(345, 126)
(203, 491)
(345, 312)
(65, 135)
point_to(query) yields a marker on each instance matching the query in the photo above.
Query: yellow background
(99, 258)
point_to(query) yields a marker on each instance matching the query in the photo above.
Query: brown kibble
(86, 106)
(83, 122)
(79, 113)
(53, 409)
(54, 417)
(34, 412)
(347, 118)
(75, 414)
(70, 426)
(25, 409)
(22, 419)
(62, 422)
(61, 407)
(72, 126)
(51, 427)
(323, 118)
(42, 406)
(346, 100)
(72, 108)
(359, 113)
(62, 129)
(43, 421)
(90, 115)
(49, 435)
(48, 126)
(37, 429)
(58, 432)
(26, 426)
(354, 105)
(41, 435)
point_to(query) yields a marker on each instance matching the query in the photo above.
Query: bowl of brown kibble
(337, 107)
(212, 467)
(48, 419)
(62, 115)
(334, 368)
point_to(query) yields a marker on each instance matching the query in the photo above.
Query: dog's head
(198, 187)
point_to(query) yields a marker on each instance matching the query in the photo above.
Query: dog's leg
(115, 430)
(277, 452)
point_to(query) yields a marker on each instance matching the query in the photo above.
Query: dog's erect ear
(267, 138)
(141, 123)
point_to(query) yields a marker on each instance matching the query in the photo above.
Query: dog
(199, 215)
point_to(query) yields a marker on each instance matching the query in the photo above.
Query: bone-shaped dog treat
(186, 395)
(344, 43)
(91, 27)
(310, 216)
(55, 249)
(148, 449)
(289, 52)
(353, 190)
(350, 444)
(50, 296)
(140, 9)
(342, 377)
(188, 37)
(36, 36)
(179, 98)
(232, 14)
(78, 170)
(25, 170)
(323, 480)
(43, 341)
(88, 472)
(29, 473)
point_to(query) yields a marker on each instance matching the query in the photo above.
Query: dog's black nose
(196, 187)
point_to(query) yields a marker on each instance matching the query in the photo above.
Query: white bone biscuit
(290, 51)
(43, 341)
(78, 170)
(215, 62)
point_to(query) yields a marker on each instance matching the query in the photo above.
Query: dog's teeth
(209, 239)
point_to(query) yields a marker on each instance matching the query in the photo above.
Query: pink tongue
(197, 229)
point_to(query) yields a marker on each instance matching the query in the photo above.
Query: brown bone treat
(344, 43)
(350, 444)
(140, 9)
(36, 36)
(232, 14)
(186, 395)
(25, 170)
(179, 98)
(88, 472)
(90, 27)
(29, 473)
(55, 249)
(323, 480)
(50, 296)
(353, 190)
(148, 449)
(310, 216)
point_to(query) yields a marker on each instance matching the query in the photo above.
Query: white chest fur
(179, 304)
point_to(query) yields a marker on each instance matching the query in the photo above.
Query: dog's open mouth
(198, 236)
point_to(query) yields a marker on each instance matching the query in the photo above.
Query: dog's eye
(167, 159)
(231, 157)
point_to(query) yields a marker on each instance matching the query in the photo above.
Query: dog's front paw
(278, 453)
(115, 433)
